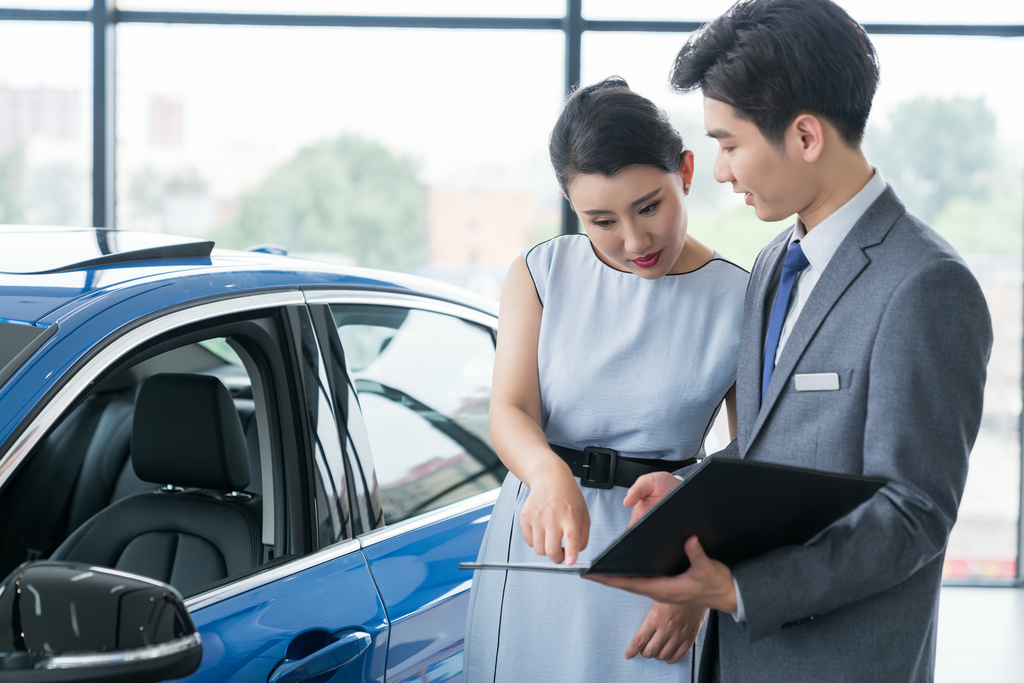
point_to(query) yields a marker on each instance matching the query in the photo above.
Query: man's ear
(805, 137)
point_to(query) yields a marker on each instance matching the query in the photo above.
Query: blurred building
(27, 113)
(474, 234)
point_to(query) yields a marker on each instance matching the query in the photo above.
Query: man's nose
(722, 170)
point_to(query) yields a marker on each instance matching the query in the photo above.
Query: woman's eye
(604, 223)
(649, 209)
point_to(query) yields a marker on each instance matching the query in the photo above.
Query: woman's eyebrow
(649, 195)
(646, 197)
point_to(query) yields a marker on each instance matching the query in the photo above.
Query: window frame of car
(171, 328)
(328, 334)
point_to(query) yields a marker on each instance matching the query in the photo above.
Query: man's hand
(668, 632)
(707, 583)
(646, 491)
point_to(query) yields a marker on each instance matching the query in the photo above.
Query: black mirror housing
(72, 622)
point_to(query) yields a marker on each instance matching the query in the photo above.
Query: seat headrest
(186, 432)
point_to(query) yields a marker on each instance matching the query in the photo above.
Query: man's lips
(648, 260)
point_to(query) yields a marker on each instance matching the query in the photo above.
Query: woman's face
(636, 219)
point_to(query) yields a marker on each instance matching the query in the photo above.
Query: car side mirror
(71, 622)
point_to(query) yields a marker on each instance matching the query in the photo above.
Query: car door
(309, 610)
(422, 370)
(319, 612)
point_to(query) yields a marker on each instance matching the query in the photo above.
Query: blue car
(299, 451)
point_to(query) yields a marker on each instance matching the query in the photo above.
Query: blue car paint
(426, 594)
(245, 637)
(90, 319)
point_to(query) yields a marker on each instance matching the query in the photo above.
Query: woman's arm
(555, 509)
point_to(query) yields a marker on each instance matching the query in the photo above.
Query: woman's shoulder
(722, 269)
(543, 255)
(559, 242)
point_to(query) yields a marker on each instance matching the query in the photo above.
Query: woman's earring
(686, 187)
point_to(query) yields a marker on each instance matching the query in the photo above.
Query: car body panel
(247, 636)
(400, 584)
(415, 567)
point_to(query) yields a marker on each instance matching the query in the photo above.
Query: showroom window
(412, 136)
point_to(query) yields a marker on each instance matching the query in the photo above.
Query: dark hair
(605, 127)
(776, 59)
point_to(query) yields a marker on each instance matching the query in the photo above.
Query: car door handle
(327, 659)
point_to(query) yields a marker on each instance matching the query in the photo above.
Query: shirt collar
(821, 244)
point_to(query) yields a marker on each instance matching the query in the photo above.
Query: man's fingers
(640, 489)
(680, 652)
(639, 641)
(655, 644)
(695, 551)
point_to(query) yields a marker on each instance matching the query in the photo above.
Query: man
(863, 351)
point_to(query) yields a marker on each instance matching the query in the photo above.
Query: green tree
(936, 150)
(12, 173)
(346, 195)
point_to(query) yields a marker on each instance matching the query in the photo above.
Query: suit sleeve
(927, 378)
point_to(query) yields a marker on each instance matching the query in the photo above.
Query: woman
(622, 338)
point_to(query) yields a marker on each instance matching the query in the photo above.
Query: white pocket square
(818, 381)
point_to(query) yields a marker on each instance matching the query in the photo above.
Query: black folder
(738, 509)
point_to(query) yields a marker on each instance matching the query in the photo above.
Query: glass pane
(424, 381)
(437, 8)
(49, 4)
(717, 216)
(383, 148)
(947, 138)
(864, 11)
(45, 123)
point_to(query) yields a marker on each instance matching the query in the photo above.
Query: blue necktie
(795, 262)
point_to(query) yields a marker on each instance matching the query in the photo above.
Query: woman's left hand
(668, 632)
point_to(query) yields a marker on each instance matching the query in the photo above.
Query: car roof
(45, 272)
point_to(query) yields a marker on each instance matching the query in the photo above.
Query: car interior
(179, 428)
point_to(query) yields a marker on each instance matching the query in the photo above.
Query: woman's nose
(637, 241)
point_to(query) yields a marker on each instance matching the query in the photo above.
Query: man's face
(769, 178)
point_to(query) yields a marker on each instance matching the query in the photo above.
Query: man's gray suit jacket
(902, 321)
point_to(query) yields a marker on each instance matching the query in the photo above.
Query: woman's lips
(648, 260)
(748, 198)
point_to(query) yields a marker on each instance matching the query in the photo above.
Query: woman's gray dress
(637, 365)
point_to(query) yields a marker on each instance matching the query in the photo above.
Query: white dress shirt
(819, 245)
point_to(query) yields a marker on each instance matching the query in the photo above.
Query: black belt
(603, 468)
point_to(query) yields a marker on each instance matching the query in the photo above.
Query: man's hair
(773, 60)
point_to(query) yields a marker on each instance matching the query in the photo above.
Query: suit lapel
(751, 346)
(846, 265)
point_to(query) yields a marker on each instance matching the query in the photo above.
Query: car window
(424, 382)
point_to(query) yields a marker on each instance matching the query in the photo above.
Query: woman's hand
(668, 632)
(553, 513)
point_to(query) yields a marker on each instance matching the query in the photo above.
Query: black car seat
(199, 528)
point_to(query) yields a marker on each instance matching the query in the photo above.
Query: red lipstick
(648, 260)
